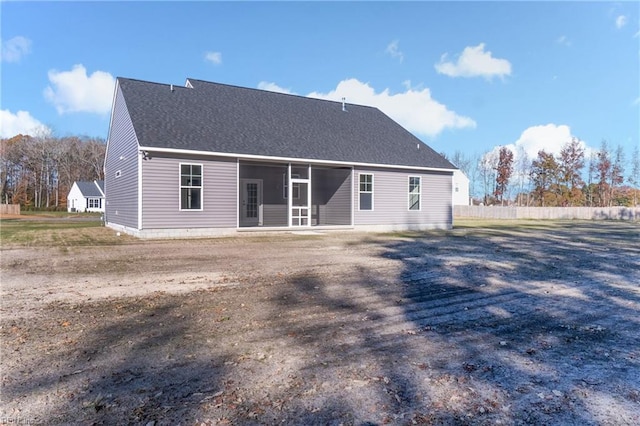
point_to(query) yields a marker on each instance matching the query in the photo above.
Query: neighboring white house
(86, 197)
(460, 189)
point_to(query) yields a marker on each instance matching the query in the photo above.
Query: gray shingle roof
(89, 189)
(229, 119)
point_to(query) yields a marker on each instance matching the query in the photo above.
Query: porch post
(289, 196)
(353, 183)
(309, 206)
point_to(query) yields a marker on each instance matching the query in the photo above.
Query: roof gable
(91, 189)
(214, 117)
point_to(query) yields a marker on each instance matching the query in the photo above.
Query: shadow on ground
(532, 325)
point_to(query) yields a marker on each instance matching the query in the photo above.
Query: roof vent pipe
(172, 87)
(344, 106)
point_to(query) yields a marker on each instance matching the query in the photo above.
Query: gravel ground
(535, 323)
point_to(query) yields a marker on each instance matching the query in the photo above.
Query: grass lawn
(55, 229)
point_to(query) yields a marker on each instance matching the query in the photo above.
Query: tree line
(602, 178)
(37, 172)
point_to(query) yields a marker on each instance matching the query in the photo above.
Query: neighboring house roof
(212, 117)
(91, 189)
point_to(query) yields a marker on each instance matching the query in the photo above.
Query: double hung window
(366, 191)
(190, 186)
(414, 192)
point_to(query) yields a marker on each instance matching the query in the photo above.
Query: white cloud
(621, 21)
(564, 41)
(393, 50)
(75, 91)
(550, 138)
(414, 109)
(15, 48)
(273, 87)
(21, 122)
(474, 62)
(213, 57)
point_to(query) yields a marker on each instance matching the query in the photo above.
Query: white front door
(251, 208)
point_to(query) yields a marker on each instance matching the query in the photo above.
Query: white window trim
(366, 192)
(409, 194)
(180, 187)
(93, 200)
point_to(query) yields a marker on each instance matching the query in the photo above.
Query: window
(366, 191)
(190, 186)
(94, 203)
(414, 192)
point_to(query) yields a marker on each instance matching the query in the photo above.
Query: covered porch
(292, 195)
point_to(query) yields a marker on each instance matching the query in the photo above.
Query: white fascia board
(290, 159)
(95, 182)
(113, 108)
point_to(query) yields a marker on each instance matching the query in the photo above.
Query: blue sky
(465, 76)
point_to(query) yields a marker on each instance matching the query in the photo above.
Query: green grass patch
(60, 214)
(509, 224)
(56, 232)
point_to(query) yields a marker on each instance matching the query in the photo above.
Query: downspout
(353, 213)
(139, 190)
(309, 205)
(289, 195)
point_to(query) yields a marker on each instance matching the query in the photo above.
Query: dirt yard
(528, 323)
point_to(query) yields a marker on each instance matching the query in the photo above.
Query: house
(86, 197)
(460, 189)
(209, 159)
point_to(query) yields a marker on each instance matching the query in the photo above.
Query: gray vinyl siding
(274, 215)
(391, 203)
(161, 194)
(121, 194)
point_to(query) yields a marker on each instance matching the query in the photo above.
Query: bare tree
(38, 171)
(93, 153)
(461, 161)
(468, 165)
(522, 172)
(603, 169)
(473, 175)
(487, 166)
(617, 174)
(591, 177)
